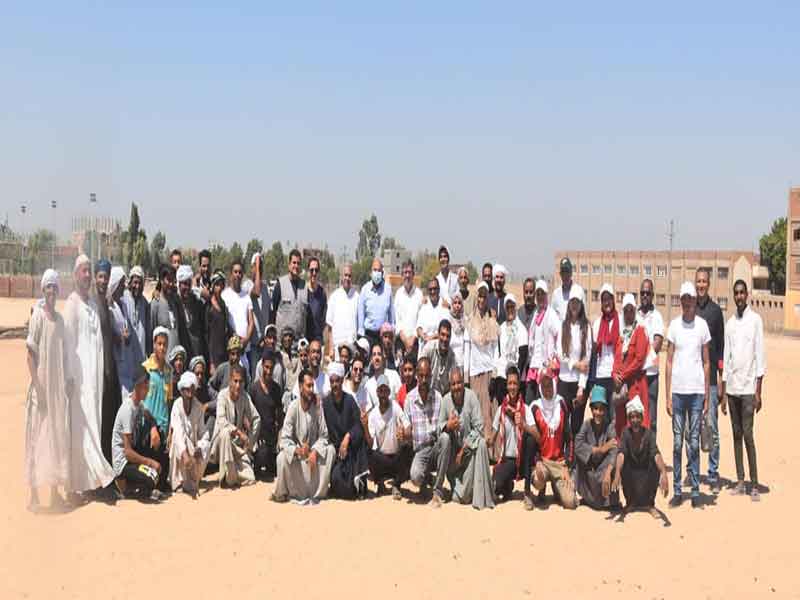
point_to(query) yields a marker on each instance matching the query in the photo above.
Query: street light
(23, 209)
(93, 228)
(53, 254)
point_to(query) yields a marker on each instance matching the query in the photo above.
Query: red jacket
(631, 368)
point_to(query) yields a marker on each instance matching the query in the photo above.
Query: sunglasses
(433, 289)
(645, 293)
(313, 270)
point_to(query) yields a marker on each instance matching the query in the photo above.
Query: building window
(584, 269)
(648, 270)
(634, 269)
(796, 233)
(661, 299)
(722, 272)
(797, 268)
(607, 269)
(723, 303)
(621, 270)
(676, 301)
(595, 296)
(661, 271)
(596, 270)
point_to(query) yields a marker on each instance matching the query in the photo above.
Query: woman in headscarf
(605, 333)
(217, 324)
(630, 378)
(480, 339)
(47, 441)
(122, 331)
(458, 322)
(574, 346)
(640, 468)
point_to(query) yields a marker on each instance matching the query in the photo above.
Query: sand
(238, 544)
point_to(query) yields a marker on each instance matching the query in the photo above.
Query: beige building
(625, 270)
(792, 306)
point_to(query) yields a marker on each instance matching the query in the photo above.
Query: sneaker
(716, 487)
(527, 502)
(436, 500)
(279, 498)
(739, 489)
(696, 502)
(676, 501)
(156, 496)
(755, 495)
(396, 494)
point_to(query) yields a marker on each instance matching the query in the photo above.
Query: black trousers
(531, 392)
(505, 471)
(265, 458)
(569, 390)
(390, 466)
(140, 477)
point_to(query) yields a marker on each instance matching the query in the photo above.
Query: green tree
(253, 246)
(390, 243)
(772, 246)
(430, 268)
(472, 271)
(274, 262)
(369, 238)
(39, 251)
(157, 246)
(235, 252)
(220, 259)
(133, 236)
(140, 254)
(361, 270)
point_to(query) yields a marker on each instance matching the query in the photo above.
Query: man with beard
(165, 312)
(317, 302)
(442, 358)
(194, 313)
(137, 310)
(202, 281)
(497, 297)
(526, 312)
(240, 310)
(266, 396)
(341, 319)
(290, 299)
(111, 389)
(322, 384)
(448, 280)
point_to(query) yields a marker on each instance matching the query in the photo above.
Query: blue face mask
(377, 277)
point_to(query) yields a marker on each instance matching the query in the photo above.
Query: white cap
(541, 285)
(607, 287)
(184, 273)
(576, 291)
(498, 268)
(510, 298)
(483, 285)
(336, 369)
(187, 380)
(628, 300)
(687, 289)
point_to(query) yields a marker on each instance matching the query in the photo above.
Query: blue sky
(507, 130)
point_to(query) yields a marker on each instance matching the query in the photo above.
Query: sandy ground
(238, 544)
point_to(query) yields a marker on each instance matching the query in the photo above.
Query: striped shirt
(424, 417)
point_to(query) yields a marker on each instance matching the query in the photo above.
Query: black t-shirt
(269, 407)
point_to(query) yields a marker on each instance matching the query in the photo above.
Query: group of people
(462, 391)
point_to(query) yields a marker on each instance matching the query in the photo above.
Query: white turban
(114, 279)
(50, 277)
(634, 405)
(336, 369)
(176, 350)
(196, 361)
(137, 272)
(498, 268)
(160, 330)
(184, 273)
(80, 261)
(187, 380)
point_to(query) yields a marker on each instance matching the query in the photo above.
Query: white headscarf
(187, 380)
(336, 369)
(551, 409)
(80, 261)
(50, 277)
(114, 280)
(634, 405)
(498, 268)
(137, 272)
(184, 273)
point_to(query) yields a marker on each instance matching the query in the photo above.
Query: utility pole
(53, 254)
(22, 209)
(93, 229)
(671, 238)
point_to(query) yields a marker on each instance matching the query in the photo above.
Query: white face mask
(377, 277)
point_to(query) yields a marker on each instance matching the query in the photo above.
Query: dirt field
(238, 544)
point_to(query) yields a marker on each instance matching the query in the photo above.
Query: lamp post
(93, 228)
(53, 253)
(22, 209)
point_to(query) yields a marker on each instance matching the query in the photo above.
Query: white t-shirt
(512, 338)
(239, 306)
(342, 316)
(383, 428)
(605, 361)
(361, 395)
(394, 386)
(447, 289)
(687, 360)
(542, 339)
(510, 430)
(406, 310)
(322, 386)
(654, 325)
(568, 362)
(430, 316)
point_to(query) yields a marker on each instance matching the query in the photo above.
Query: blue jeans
(713, 455)
(686, 407)
(652, 395)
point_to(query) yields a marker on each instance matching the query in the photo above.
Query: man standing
(528, 309)
(431, 313)
(290, 299)
(346, 435)
(742, 377)
(497, 297)
(89, 469)
(111, 388)
(688, 382)
(407, 302)
(235, 432)
(448, 281)
(194, 313)
(202, 281)
(341, 319)
(460, 418)
(176, 258)
(317, 302)
(240, 310)
(165, 312)
(561, 295)
(375, 304)
(442, 358)
(305, 458)
(138, 312)
(389, 453)
(649, 316)
(261, 305)
(467, 298)
(711, 313)
(431, 446)
(486, 274)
